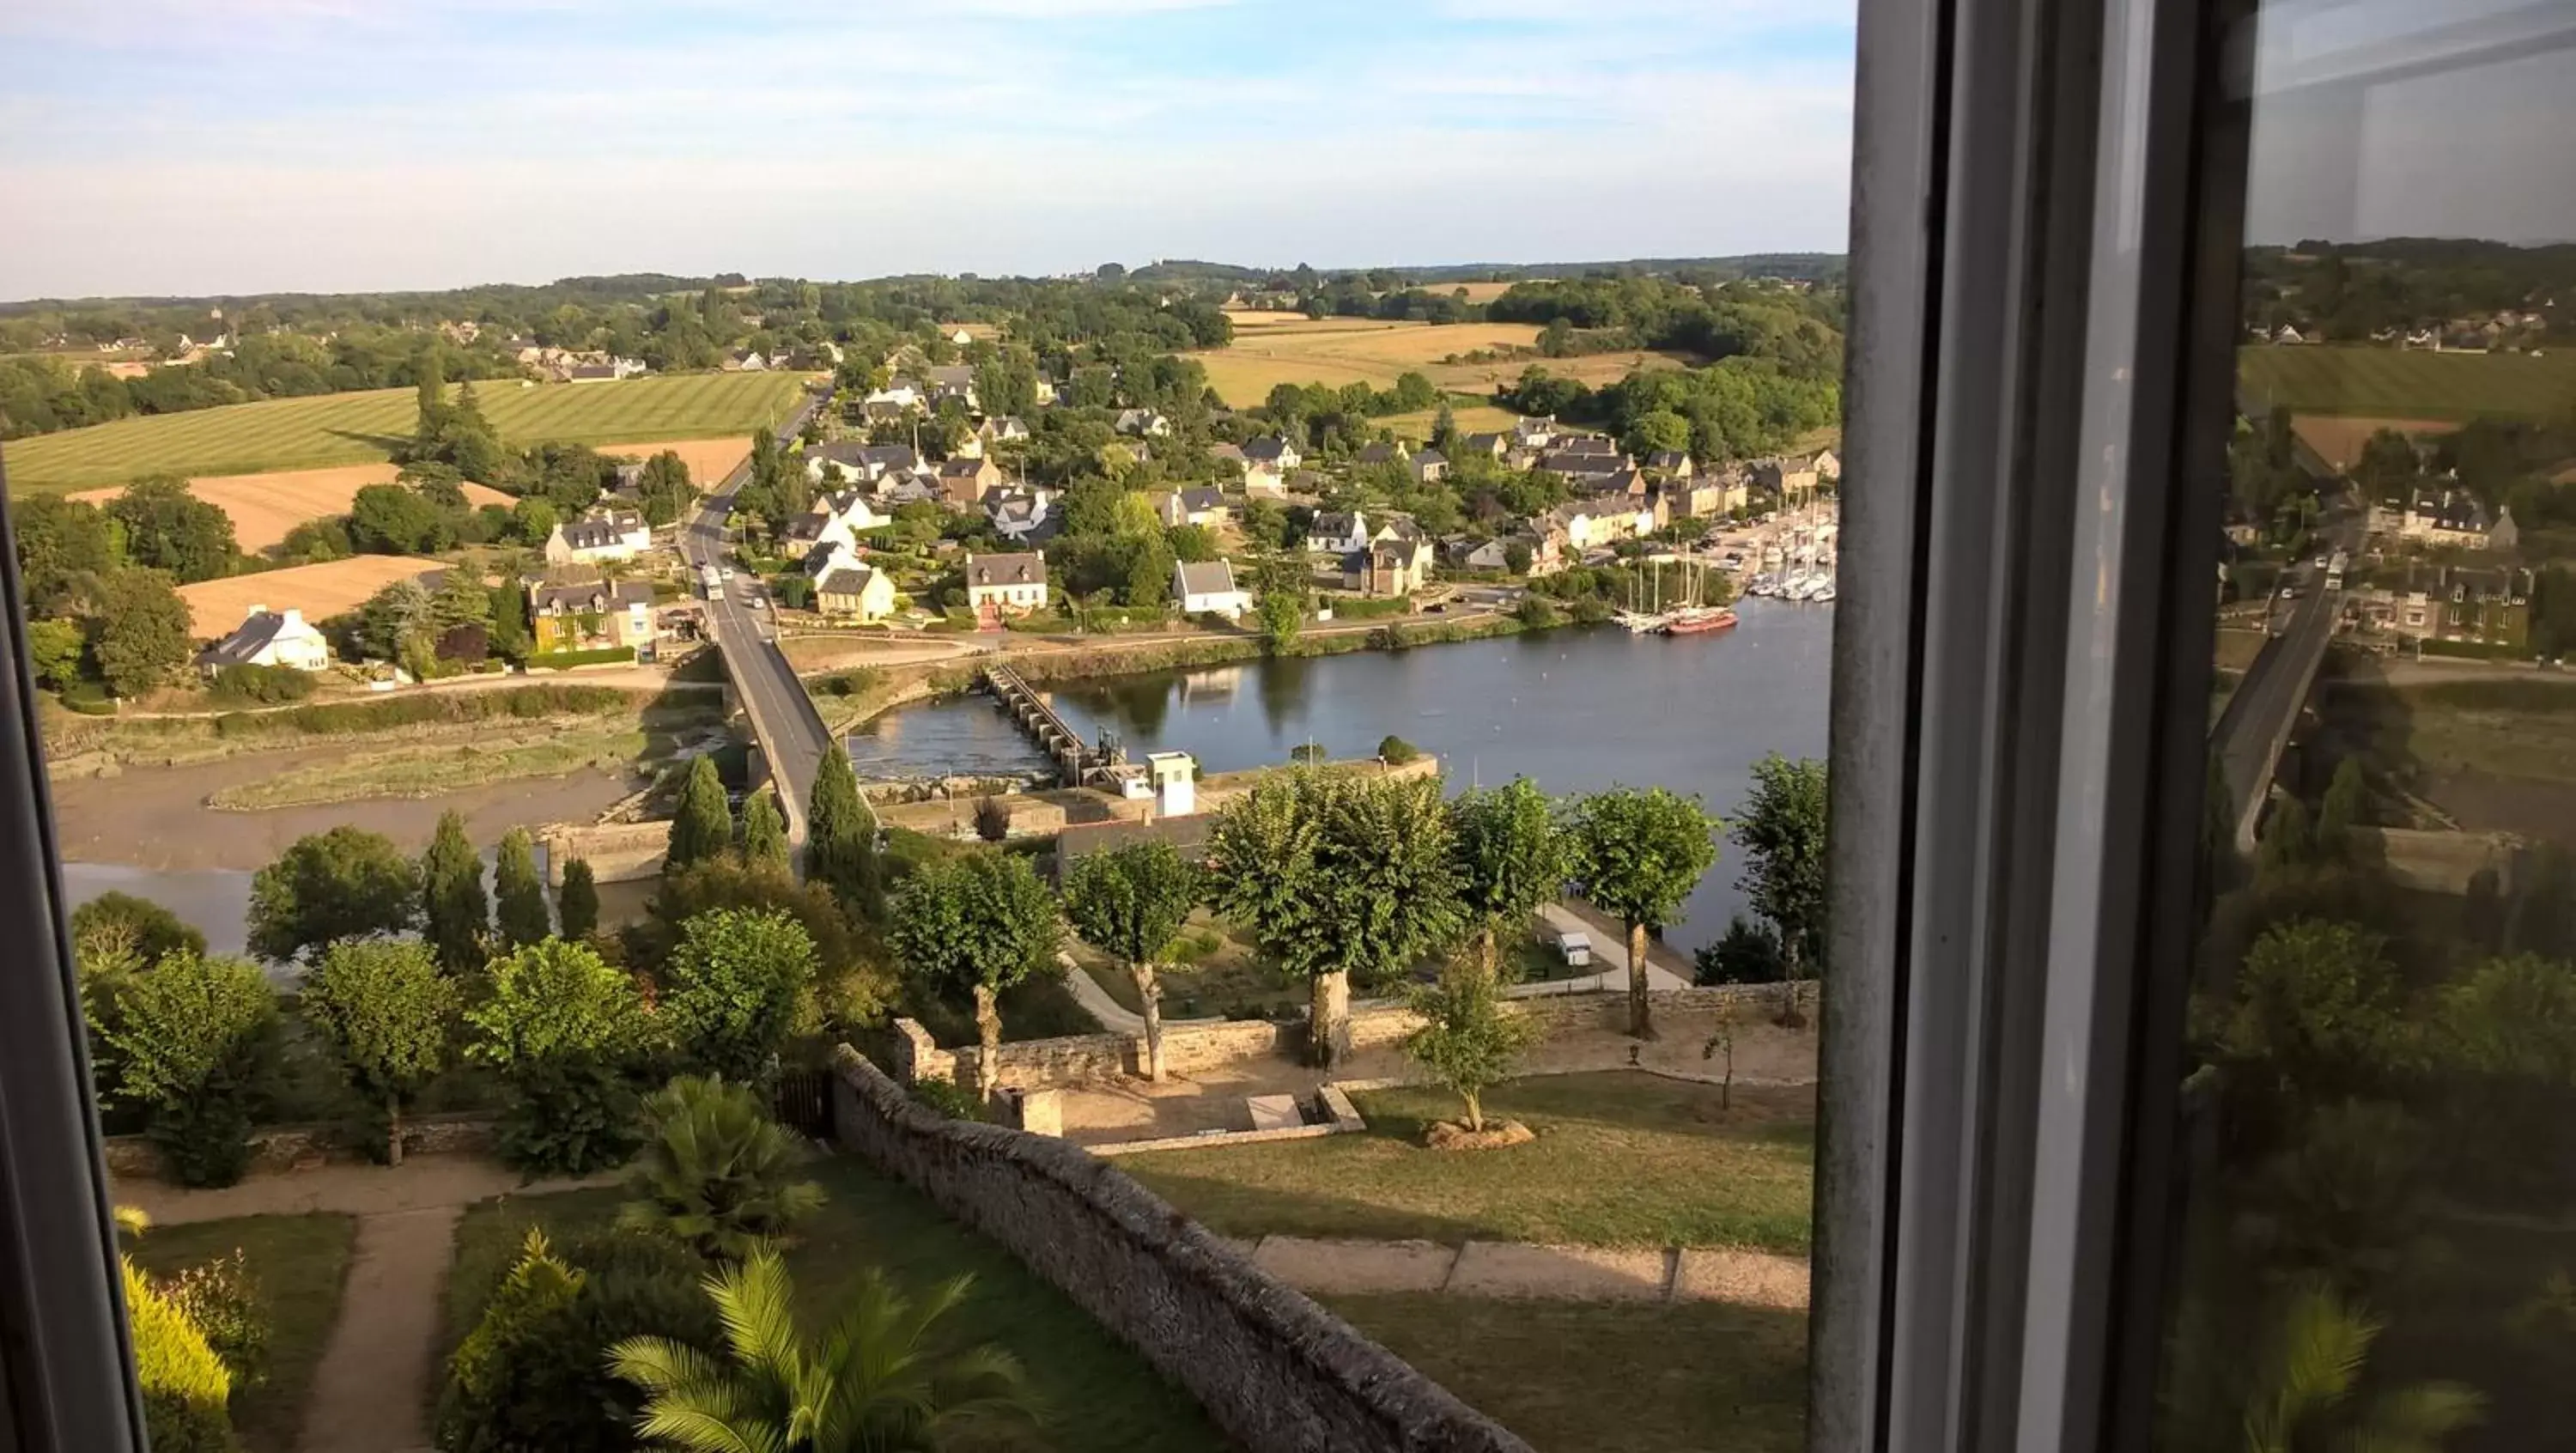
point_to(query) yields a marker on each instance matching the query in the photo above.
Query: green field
(359, 428)
(2410, 383)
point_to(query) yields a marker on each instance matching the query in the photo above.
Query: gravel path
(371, 1392)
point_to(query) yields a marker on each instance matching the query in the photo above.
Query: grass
(434, 771)
(1470, 418)
(1642, 1377)
(1221, 974)
(2409, 383)
(356, 428)
(172, 741)
(2505, 728)
(1621, 1159)
(300, 1263)
(1100, 1397)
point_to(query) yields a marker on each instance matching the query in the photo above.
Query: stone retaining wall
(289, 1147)
(1276, 1372)
(618, 852)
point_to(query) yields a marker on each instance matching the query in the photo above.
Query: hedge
(2476, 650)
(564, 660)
(89, 698)
(348, 717)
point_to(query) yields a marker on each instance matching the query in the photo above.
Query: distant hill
(1809, 266)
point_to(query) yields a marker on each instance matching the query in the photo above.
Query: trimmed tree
(1637, 855)
(764, 830)
(563, 1026)
(1509, 858)
(193, 1037)
(737, 984)
(704, 824)
(1130, 902)
(384, 1006)
(577, 902)
(840, 836)
(1781, 828)
(1468, 1041)
(456, 914)
(1337, 880)
(981, 922)
(345, 883)
(523, 917)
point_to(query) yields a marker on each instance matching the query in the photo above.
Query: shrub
(220, 1298)
(534, 1372)
(266, 685)
(1749, 953)
(1396, 751)
(992, 818)
(1468, 1041)
(947, 1097)
(737, 985)
(194, 1035)
(185, 1385)
(566, 660)
(718, 1174)
(563, 1026)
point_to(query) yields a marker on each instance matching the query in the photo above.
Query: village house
(1388, 567)
(951, 382)
(1005, 585)
(900, 396)
(1671, 464)
(1707, 496)
(852, 462)
(1143, 423)
(600, 535)
(1492, 446)
(813, 530)
(1587, 524)
(1429, 467)
(592, 615)
(1264, 481)
(1791, 477)
(1020, 515)
(269, 638)
(1383, 452)
(962, 481)
(1204, 586)
(1230, 455)
(1276, 452)
(1337, 532)
(855, 590)
(1465, 552)
(1199, 505)
(1003, 429)
(2452, 517)
(746, 360)
(852, 508)
(2480, 604)
(1530, 433)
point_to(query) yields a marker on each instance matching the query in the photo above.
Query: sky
(232, 146)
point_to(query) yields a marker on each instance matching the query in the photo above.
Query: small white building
(1001, 585)
(601, 535)
(1175, 776)
(858, 591)
(269, 638)
(1338, 532)
(1208, 585)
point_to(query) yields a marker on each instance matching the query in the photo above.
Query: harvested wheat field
(263, 507)
(1342, 351)
(320, 591)
(709, 460)
(2338, 440)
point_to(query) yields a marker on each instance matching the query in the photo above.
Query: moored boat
(1699, 619)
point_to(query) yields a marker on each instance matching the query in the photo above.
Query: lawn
(2409, 383)
(1099, 1395)
(1621, 1159)
(1680, 1377)
(300, 1263)
(358, 428)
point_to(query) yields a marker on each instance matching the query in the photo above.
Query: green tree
(141, 631)
(854, 983)
(1337, 880)
(2288, 841)
(2310, 1374)
(64, 547)
(455, 914)
(841, 835)
(147, 929)
(1129, 902)
(979, 922)
(717, 1174)
(703, 826)
(2345, 808)
(1748, 953)
(1468, 1042)
(1782, 831)
(384, 1007)
(2313, 1016)
(764, 830)
(512, 635)
(344, 883)
(878, 1381)
(1509, 858)
(168, 529)
(521, 893)
(577, 902)
(194, 1036)
(564, 1027)
(735, 987)
(55, 650)
(1637, 855)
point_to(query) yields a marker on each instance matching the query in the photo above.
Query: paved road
(782, 716)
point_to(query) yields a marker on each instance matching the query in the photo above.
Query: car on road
(2289, 592)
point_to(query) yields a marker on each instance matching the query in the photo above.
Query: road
(783, 720)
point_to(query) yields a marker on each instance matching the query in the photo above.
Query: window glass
(2376, 1245)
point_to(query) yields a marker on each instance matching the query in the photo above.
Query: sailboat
(1696, 620)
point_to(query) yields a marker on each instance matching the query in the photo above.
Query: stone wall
(1276, 1372)
(618, 852)
(280, 1148)
(2444, 862)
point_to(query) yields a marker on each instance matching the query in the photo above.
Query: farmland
(709, 460)
(359, 428)
(1287, 348)
(263, 507)
(2337, 438)
(320, 591)
(2410, 383)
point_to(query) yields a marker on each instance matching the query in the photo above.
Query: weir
(1075, 761)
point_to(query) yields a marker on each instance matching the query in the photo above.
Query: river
(1575, 710)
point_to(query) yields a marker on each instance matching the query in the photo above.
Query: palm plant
(874, 1384)
(2312, 1372)
(717, 1172)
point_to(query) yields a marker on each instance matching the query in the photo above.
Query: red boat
(1694, 622)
